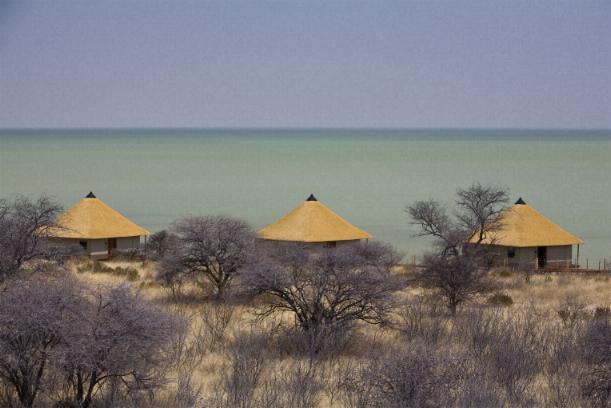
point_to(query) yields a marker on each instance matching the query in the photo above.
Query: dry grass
(285, 369)
(552, 290)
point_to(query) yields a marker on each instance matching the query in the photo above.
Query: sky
(147, 63)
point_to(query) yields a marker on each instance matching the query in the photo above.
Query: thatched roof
(312, 221)
(523, 226)
(91, 218)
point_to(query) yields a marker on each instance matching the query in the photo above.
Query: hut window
(511, 253)
(331, 244)
(83, 244)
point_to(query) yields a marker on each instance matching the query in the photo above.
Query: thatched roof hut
(523, 226)
(312, 222)
(532, 238)
(99, 228)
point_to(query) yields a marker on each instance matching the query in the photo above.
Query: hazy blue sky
(288, 63)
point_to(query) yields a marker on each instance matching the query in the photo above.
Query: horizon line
(294, 128)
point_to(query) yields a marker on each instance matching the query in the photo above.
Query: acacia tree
(63, 336)
(210, 249)
(456, 278)
(24, 226)
(477, 212)
(161, 243)
(455, 268)
(35, 320)
(122, 337)
(330, 288)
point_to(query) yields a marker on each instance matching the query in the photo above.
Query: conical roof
(91, 218)
(523, 226)
(312, 221)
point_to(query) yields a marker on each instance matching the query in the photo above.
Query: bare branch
(335, 287)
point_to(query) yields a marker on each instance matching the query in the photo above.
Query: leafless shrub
(289, 384)
(432, 219)
(563, 365)
(458, 268)
(334, 376)
(246, 360)
(332, 288)
(571, 311)
(500, 299)
(510, 349)
(319, 343)
(479, 391)
(188, 394)
(457, 279)
(24, 227)
(160, 243)
(209, 250)
(189, 348)
(113, 396)
(477, 216)
(477, 329)
(120, 337)
(257, 374)
(215, 319)
(70, 341)
(171, 274)
(186, 352)
(36, 319)
(300, 386)
(413, 376)
(595, 346)
(514, 363)
(422, 318)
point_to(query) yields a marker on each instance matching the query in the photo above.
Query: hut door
(112, 245)
(541, 257)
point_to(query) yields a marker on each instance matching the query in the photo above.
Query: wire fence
(542, 266)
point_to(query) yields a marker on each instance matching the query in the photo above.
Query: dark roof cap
(90, 195)
(311, 198)
(520, 201)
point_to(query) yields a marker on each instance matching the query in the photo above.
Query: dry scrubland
(541, 345)
(211, 319)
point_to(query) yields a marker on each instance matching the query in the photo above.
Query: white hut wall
(97, 248)
(310, 246)
(522, 257)
(128, 244)
(525, 257)
(559, 256)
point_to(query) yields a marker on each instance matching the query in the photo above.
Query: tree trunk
(452, 306)
(88, 397)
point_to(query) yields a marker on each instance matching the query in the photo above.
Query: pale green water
(367, 176)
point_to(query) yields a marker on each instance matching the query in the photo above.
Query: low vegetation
(209, 251)
(128, 272)
(345, 327)
(328, 289)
